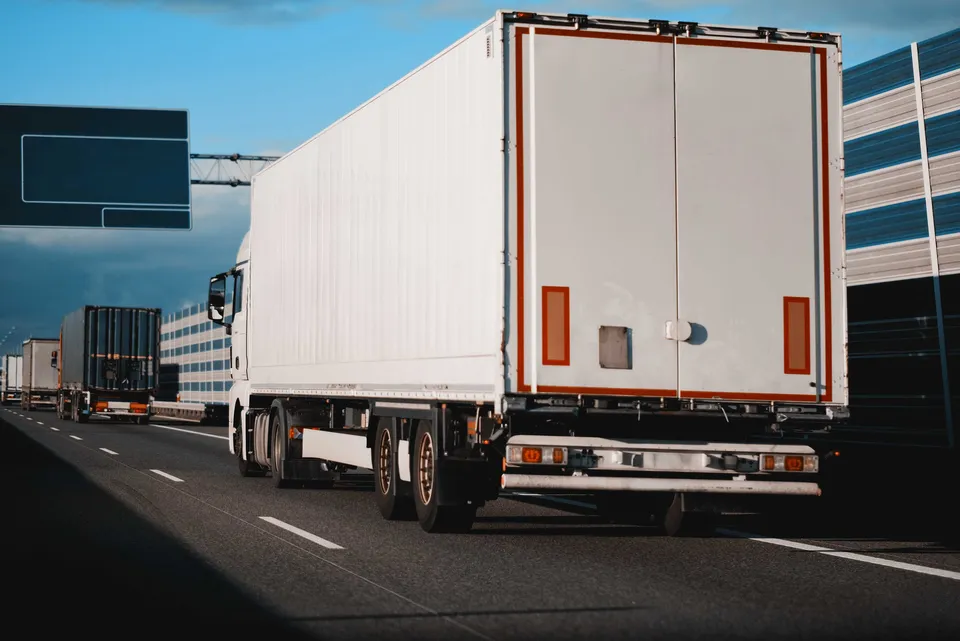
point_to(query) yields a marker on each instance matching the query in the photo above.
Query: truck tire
(434, 518)
(394, 502)
(78, 416)
(278, 449)
(672, 520)
(247, 468)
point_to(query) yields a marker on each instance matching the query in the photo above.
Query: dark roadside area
(76, 558)
(907, 497)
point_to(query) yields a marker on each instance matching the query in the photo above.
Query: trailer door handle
(677, 330)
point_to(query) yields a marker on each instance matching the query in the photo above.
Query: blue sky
(261, 76)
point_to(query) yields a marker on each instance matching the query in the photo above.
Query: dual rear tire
(397, 500)
(420, 498)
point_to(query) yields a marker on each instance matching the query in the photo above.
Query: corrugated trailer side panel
(377, 246)
(13, 369)
(73, 350)
(124, 341)
(37, 371)
(27, 364)
(130, 339)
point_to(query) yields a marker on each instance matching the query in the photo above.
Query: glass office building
(194, 357)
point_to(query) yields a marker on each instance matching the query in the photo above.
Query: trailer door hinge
(579, 20)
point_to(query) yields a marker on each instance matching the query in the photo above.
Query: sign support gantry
(228, 170)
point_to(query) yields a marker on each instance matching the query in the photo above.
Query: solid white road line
(900, 565)
(794, 545)
(167, 476)
(180, 429)
(307, 535)
(103, 449)
(852, 556)
(76, 438)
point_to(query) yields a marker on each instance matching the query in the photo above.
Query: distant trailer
(12, 378)
(108, 363)
(39, 385)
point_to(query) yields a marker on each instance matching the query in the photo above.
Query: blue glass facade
(194, 357)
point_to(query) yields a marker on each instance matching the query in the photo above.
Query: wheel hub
(425, 465)
(385, 467)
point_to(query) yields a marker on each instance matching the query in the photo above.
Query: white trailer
(12, 379)
(566, 254)
(40, 374)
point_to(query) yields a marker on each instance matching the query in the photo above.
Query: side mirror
(53, 358)
(217, 299)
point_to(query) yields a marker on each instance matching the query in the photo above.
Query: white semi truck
(11, 386)
(39, 373)
(567, 254)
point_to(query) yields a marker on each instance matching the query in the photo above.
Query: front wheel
(278, 451)
(248, 469)
(433, 517)
(78, 415)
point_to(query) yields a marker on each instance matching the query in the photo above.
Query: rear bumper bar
(118, 413)
(543, 482)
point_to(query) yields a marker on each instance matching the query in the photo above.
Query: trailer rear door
(672, 216)
(749, 217)
(599, 208)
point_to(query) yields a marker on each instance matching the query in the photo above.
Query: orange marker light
(532, 455)
(793, 463)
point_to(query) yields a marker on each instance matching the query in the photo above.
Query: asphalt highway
(113, 527)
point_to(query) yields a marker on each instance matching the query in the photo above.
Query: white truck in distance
(11, 386)
(39, 373)
(566, 255)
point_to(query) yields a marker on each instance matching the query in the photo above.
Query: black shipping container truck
(109, 363)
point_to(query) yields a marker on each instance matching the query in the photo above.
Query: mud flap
(463, 480)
